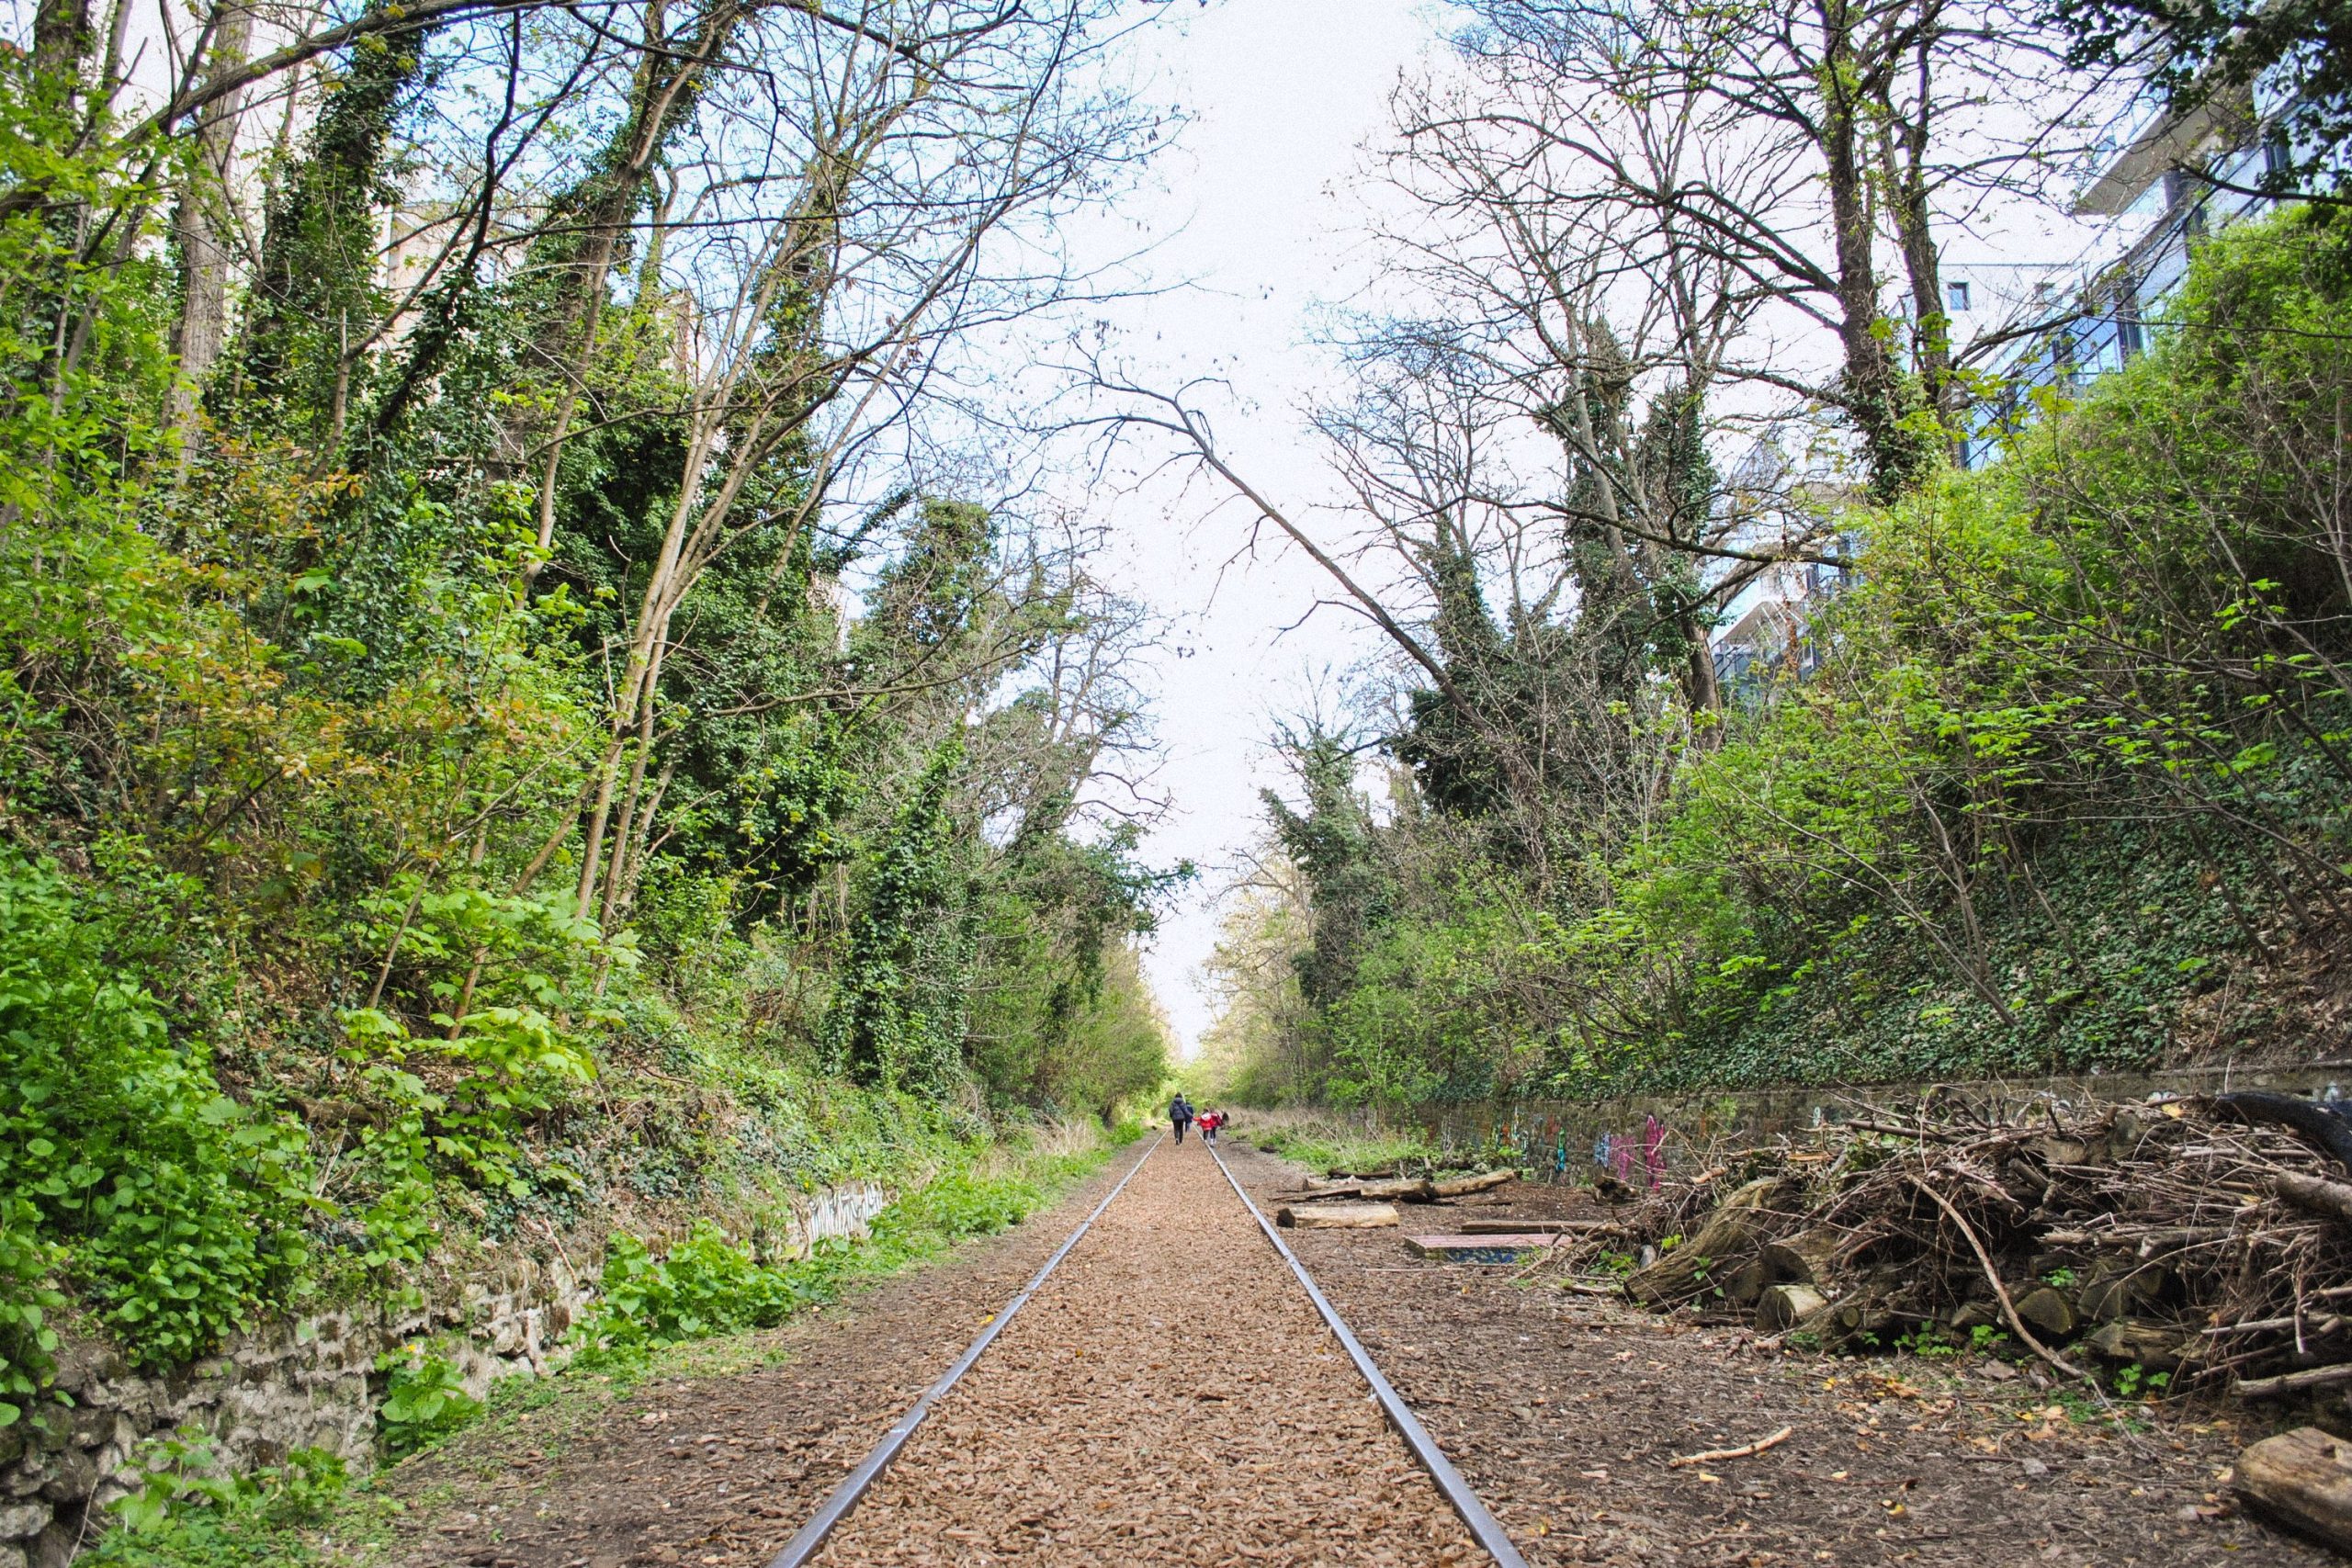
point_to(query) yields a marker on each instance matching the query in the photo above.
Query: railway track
(1168, 1392)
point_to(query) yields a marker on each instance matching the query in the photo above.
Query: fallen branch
(1746, 1451)
(1902, 1130)
(2001, 1292)
(2293, 1382)
(2314, 1194)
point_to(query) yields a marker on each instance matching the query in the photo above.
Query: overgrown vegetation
(189, 1511)
(2052, 782)
(709, 1284)
(547, 725)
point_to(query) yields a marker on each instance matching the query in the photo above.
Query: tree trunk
(1906, 177)
(61, 37)
(204, 223)
(1410, 1188)
(1709, 1256)
(1871, 394)
(661, 98)
(1464, 1186)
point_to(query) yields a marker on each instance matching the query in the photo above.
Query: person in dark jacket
(1180, 1114)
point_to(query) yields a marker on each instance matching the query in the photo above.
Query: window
(1959, 295)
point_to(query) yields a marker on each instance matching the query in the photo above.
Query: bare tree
(1802, 152)
(842, 278)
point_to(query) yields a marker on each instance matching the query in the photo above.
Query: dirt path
(1073, 1442)
(1169, 1397)
(1563, 1410)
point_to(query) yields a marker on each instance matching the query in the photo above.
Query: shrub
(123, 1168)
(424, 1401)
(705, 1285)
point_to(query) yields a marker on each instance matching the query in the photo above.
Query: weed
(1929, 1339)
(425, 1401)
(185, 1511)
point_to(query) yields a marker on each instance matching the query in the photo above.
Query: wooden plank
(1540, 1227)
(1506, 1248)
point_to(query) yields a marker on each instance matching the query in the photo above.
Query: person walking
(1210, 1121)
(1180, 1114)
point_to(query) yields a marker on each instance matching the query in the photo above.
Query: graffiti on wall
(1636, 1161)
(1552, 1150)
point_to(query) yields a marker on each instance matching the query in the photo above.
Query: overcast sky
(1256, 208)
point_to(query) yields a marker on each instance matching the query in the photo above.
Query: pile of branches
(2208, 1240)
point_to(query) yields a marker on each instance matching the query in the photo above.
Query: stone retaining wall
(308, 1383)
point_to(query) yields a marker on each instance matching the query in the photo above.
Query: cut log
(2302, 1479)
(1971, 1314)
(2158, 1345)
(1730, 1236)
(1463, 1186)
(1809, 1258)
(1782, 1306)
(1402, 1189)
(2046, 1309)
(2315, 1194)
(1336, 1216)
(2104, 1300)
(1746, 1283)
(2292, 1383)
(1854, 1320)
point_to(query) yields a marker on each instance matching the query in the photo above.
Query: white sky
(1255, 208)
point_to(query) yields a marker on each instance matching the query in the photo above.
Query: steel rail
(1483, 1525)
(804, 1546)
